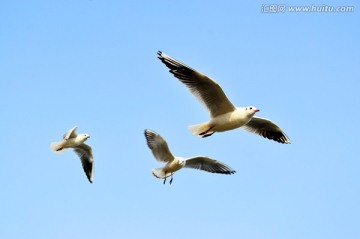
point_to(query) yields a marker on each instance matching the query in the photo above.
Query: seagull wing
(71, 134)
(208, 164)
(158, 146)
(84, 151)
(204, 88)
(267, 129)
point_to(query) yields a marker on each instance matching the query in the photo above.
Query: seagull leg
(171, 178)
(165, 178)
(207, 134)
(59, 149)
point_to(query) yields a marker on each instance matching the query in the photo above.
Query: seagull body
(162, 153)
(170, 168)
(224, 122)
(224, 115)
(84, 151)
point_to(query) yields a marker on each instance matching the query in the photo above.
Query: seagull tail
(160, 173)
(199, 129)
(57, 147)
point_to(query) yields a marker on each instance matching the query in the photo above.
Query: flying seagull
(84, 151)
(224, 115)
(162, 153)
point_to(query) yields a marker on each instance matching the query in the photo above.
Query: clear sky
(93, 64)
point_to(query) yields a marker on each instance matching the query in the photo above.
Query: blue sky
(93, 64)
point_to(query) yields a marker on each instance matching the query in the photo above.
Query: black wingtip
(147, 132)
(229, 172)
(160, 56)
(148, 136)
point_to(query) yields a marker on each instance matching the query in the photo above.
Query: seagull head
(251, 110)
(84, 136)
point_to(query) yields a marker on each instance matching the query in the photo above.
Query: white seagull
(224, 115)
(84, 151)
(162, 153)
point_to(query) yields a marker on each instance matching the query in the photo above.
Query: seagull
(224, 115)
(84, 151)
(162, 153)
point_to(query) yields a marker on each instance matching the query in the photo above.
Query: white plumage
(84, 151)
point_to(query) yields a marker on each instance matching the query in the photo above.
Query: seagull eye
(251, 108)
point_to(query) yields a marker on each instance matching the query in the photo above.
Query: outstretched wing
(202, 87)
(70, 134)
(84, 151)
(158, 146)
(267, 129)
(208, 164)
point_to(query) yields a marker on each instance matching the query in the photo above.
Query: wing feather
(84, 152)
(208, 164)
(267, 129)
(205, 89)
(158, 146)
(70, 134)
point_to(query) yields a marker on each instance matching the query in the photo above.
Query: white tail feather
(57, 147)
(199, 128)
(160, 173)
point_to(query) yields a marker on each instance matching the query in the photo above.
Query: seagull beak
(256, 110)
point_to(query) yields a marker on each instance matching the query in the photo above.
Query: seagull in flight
(224, 115)
(162, 153)
(84, 151)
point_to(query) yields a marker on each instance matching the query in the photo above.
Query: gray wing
(208, 164)
(70, 134)
(158, 146)
(204, 88)
(267, 129)
(84, 151)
